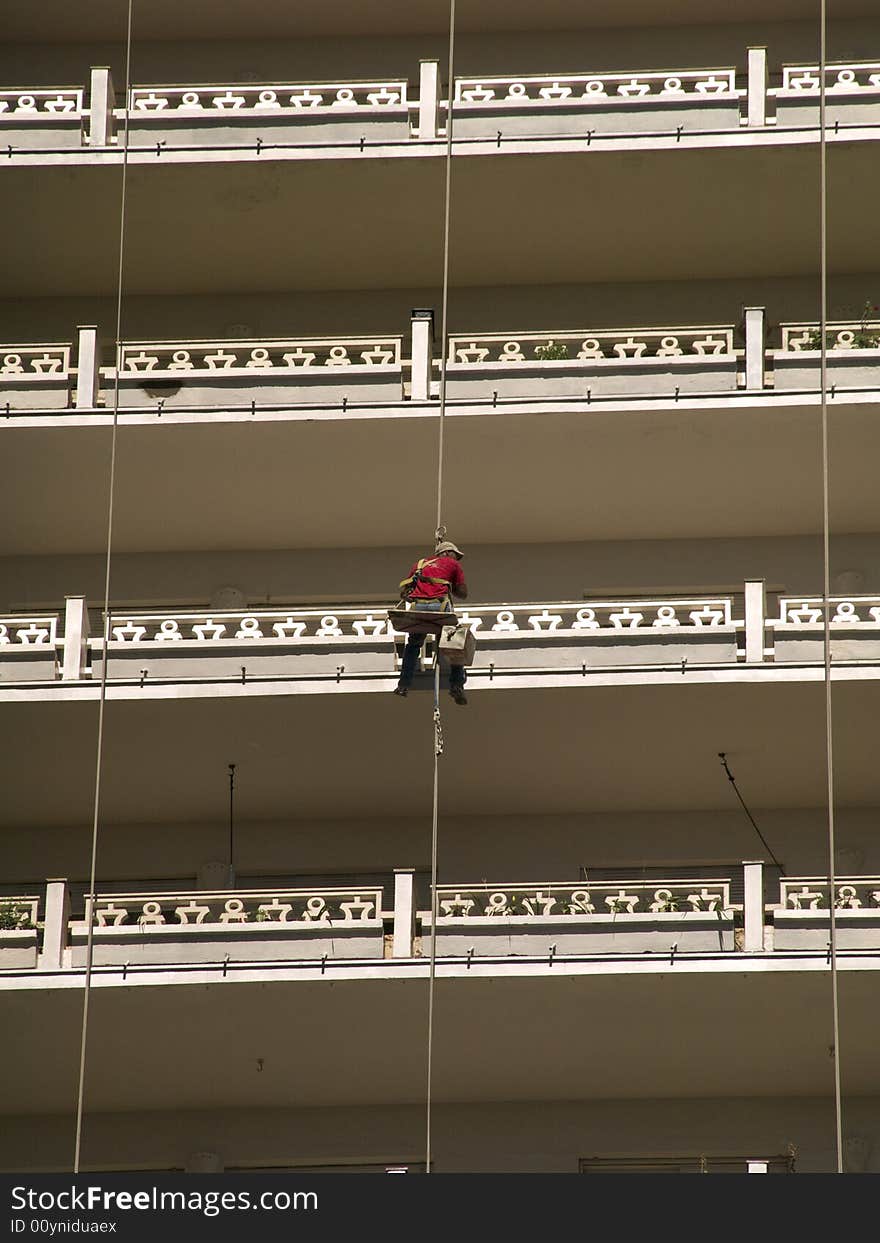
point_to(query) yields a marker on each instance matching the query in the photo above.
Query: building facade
(633, 968)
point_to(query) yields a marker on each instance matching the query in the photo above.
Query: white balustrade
(39, 106)
(595, 89)
(27, 632)
(257, 357)
(805, 613)
(270, 99)
(33, 363)
(528, 622)
(309, 908)
(841, 335)
(582, 899)
(812, 894)
(623, 347)
(840, 79)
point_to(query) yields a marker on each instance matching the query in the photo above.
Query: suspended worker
(431, 584)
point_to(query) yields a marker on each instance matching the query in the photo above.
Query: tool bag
(458, 643)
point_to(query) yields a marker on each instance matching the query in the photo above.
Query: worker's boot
(402, 690)
(457, 693)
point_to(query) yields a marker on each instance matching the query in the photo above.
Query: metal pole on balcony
(826, 574)
(231, 826)
(90, 897)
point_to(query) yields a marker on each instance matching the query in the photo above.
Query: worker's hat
(448, 546)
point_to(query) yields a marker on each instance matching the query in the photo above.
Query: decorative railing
(308, 907)
(853, 335)
(630, 345)
(537, 620)
(532, 621)
(284, 626)
(28, 631)
(265, 99)
(574, 901)
(805, 613)
(28, 105)
(839, 78)
(245, 358)
(33, 362)
(813, 894)
(584, 90)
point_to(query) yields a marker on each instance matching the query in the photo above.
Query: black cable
(722, 755)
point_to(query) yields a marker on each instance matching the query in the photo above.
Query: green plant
(14, 917)
(552, 351)
(864, 338)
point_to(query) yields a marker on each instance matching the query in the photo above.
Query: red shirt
(439, 567)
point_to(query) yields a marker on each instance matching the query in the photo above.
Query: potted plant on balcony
(552, 351)
(18, 936)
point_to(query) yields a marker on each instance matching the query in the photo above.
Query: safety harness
(408, 585)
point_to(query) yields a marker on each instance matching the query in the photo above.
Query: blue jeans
(409, 664)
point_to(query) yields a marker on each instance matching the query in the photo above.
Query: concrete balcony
(852, 353)
(289, 372)
(852, 94)
(632, 362)
(665, 917)
(801, 919)
(602, 103)
(19, 934)
(343, 373)
(545, 922)
(35, 377)
(230, 115)
(42, 119)
(189, 117)
(359, 647)
(249, 926)
(29, 648)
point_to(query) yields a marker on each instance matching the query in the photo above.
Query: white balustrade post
(57, 917)
(753, 906)
(755, 333)
(756, 610)
(404, 914)
(422, 354)
(76, 635)
(88, 367)
(429, 98)
(102, 99)
(757, 89)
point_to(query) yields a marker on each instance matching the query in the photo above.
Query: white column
(76, 635)
(421, 354)
(102, 99)
(88, 367)
(753, 906)
(756, 609)
(757, 90)
(404, 914)
(755, 331)
(429, 98)
(55, 925)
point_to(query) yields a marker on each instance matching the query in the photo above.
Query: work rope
(91, 896)
(826, 579)
(439, 533)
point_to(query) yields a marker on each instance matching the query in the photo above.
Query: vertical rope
(439, 532)
(826, 577)
(102, 698)
(444, 302)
